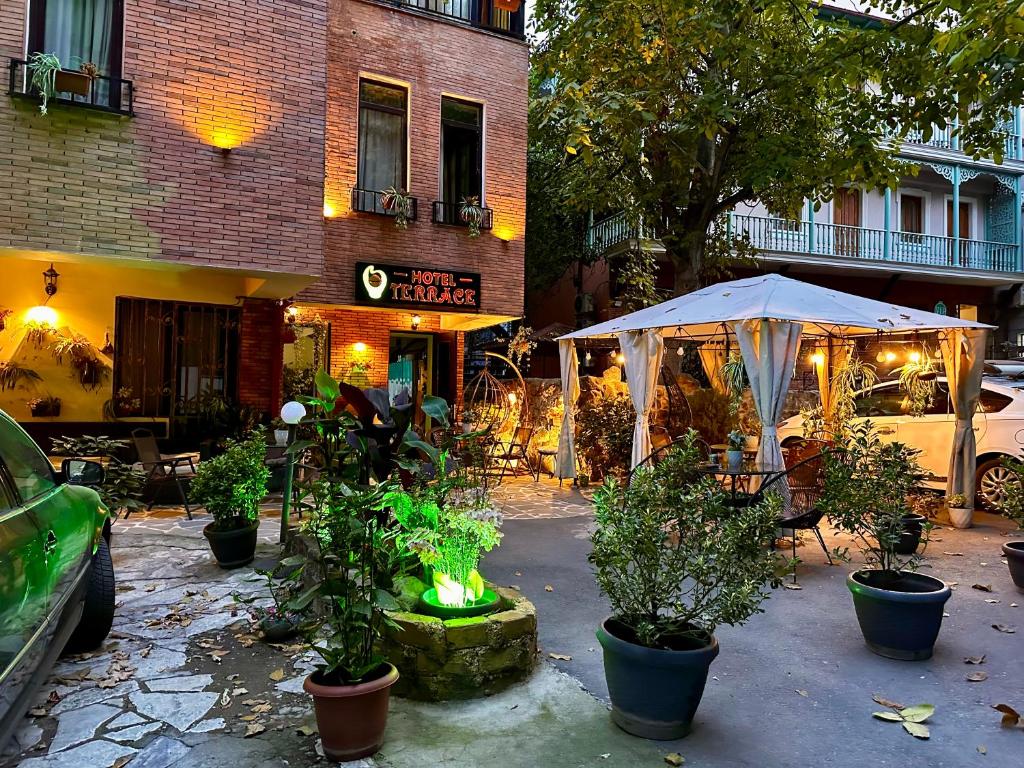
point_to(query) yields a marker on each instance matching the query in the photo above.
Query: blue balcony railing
(617, 229)
(948, 137)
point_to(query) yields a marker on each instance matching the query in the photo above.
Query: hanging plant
(83, 358)
(44, 68)
(734, 374)
(44, 407)
(4, 314)
(917, 379)
(400, 202)
(38, 334)
(13, 375)
(471, 214)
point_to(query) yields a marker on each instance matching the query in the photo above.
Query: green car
(56, 576)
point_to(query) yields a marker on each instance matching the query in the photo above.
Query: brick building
(202, 181)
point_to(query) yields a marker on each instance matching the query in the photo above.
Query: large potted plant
(231, 486)
(675, 561)
(1013, 508)
(867, 485)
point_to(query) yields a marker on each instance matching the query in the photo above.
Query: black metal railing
(478, 13)
(373, 201)
(106, 94)
(451, 215)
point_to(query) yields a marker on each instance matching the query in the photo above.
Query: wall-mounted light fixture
(359, 347)
(293, 314)
(42, 315)
(329, 210)
(818, 359)
(588, 358)
(50, 281)
(415, 323)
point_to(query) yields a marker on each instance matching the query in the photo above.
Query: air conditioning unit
(584, 303)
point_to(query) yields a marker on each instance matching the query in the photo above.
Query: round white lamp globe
(292, 412)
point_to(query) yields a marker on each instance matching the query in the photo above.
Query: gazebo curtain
(643, 352)
(963, 351)
(712, 358)
(565, 460)
(769, 350)
(836, 352)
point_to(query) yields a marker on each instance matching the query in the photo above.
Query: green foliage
(636, 273)
(342, 587)
(44, 68)
(867, 486)
(232, 484)
(13, 375)
(918, 381)
(472, 214)
(736, 440)
(682, 111)
(1013, 505)
(711, 414)
(604, 434)
(734, 374)
(448, 522)
(122, 483)
(673, 558)
(848, 380)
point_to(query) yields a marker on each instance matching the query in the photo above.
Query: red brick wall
(431, 57)
(259, 370)
(154, 186)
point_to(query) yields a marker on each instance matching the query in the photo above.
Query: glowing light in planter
(42, 315)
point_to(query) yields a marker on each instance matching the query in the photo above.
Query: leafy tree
(682, 109)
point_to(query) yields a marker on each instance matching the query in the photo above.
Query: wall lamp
(50, 281)
(416, 320)
(293, 314)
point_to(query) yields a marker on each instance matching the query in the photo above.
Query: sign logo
(375, 281)
(393, 285)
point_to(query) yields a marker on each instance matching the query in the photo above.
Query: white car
(998, 428)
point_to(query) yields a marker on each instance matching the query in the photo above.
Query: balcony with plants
(43, 78)
(504, 17)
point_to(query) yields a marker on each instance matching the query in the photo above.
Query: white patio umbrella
(769, 315)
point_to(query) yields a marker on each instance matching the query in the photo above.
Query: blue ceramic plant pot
(899, 618)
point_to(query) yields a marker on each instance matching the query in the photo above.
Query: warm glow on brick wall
(227, 111)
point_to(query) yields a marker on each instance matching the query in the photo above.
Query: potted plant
(44, 407)
(49, 78)
(734, 455)
(275, 622)
(668, 530)
(392, 199)
(89, 369)
(959, 513)
(511, 6)
(471, 214)
(1013, 508)
(4, 314)
(347, 573)
(867, 485)
(280, 431)
(231, 486)
(13, 375)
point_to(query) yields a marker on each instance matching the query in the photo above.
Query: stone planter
(960, 517)
(462, 658)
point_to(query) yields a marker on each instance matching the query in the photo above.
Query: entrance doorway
(846, 212)
(411, 370)
(965, 229)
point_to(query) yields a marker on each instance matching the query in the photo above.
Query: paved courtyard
(183, 681)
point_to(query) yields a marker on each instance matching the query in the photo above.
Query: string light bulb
(914, 357)
(818, 358)
(620, 358)
(890, 356)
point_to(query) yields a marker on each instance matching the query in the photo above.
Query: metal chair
(515, 450)
(161, 469)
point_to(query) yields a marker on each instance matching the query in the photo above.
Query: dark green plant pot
(900, 619)
(910, 538)
(233, 548)
(1013, 551)
(655, 693)
(429, 606)
(276, 630)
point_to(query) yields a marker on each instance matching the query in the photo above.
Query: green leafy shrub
(868, 487)
(674, 560)
(604, 434)
(122, 483)
(711, 414)
(1012, 505)
(232, 484)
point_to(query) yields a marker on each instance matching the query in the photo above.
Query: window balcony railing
(484, 14)
(106, 94)
(617, 229)
(948, 137)
(372, 201)
(790, 236)
(450, 215)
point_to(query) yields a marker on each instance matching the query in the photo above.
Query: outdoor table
(745, 473)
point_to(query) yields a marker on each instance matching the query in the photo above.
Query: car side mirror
(83, 472)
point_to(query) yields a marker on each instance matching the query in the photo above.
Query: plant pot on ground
(669, 529)
(910, 536)
(960, 514)
(1012, 507)
(230, 486)
(867, 485)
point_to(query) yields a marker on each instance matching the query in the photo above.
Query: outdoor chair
(163, 470)
(661, 451)
(801, 484)
(514, 450)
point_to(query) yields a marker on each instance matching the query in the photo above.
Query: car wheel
(98, 612)
(990, 484)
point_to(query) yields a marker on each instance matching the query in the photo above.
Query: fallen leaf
(144, 653)
(518, 573)
(305, 729)
(151, 587)
(234, 676)
(802, 692)
(560, 657)
(886, 702)
(892, 717)
(225, 698)
(122, 761)
(605, 756)
(790, 585)
(254, 729)
(992, 601)
(974, 659)
(548, 588)
(261, 709)
(514, 586)
(1011, 716)
(982, 749)
(917, 713)
(674, 758)
(1004, 628)
(248, 718)
(917, 730)
(954, 554)
(982, 587)
(977, 677)
(277, 675)
(239, 691)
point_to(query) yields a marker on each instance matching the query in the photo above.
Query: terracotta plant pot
(70, 81)
(351, 718)
(960, 517)
(1013, 551)
(508, 5)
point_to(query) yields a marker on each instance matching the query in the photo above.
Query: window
(461, 151)
(80, 31)
(382, 139)
(912, 214)
(993, 402)
(28, 467)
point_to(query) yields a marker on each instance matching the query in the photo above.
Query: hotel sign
(401, 286)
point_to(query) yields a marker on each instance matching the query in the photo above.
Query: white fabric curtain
(769, 350)
(963, 351)
(643, 352)
(381, 137)
(836, 352)
(565, 460)
(712, 358)
(79, 31)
